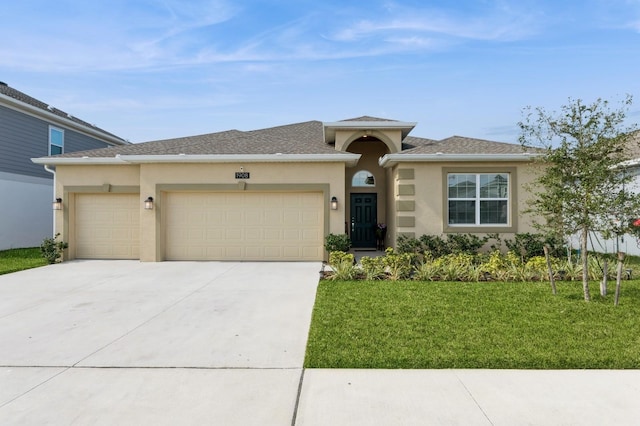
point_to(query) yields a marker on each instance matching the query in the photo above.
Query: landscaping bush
(343, 266)
(433, 244)
(438, 246)
(373, 268)
(51, 249)
(528, 245)
(399, 265)
(340, 242)
(465, 243)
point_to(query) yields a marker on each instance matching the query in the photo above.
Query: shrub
(343, 266)
(455, 267)
(51, 249)
(465, 243)
(399, 265)
(373, 267)
(337, 257)
(537, 267)
(528, 245)
(340, 242)
(434, 245)
(426, 270)
(438, 246)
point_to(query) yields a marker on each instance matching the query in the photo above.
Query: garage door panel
(107, 226)
(245, 226)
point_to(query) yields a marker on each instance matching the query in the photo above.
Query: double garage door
(243, 226)
(205, 226)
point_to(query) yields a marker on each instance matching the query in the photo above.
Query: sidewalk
(469, 397)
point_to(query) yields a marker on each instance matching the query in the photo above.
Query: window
(478, 198)
(363, 178)
(56, 141)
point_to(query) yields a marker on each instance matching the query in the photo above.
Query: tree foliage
(581, 186)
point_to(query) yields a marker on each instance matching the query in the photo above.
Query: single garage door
(244, 226)
(107, 226)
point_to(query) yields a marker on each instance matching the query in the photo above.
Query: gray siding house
(30, 128)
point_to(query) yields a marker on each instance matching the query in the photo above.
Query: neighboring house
(274, 194)
(30, 128)
(626, 243)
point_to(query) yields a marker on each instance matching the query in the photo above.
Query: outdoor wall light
(334, 203)
(148, 203)
(57, 204)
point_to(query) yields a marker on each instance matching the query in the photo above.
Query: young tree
(580, 187)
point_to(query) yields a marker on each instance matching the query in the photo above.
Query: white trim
(369, 125)
(629, 163)
(478, 199)
(15, 104)
(349, 159)
(54, 161)
(329, 128)
(390, 160)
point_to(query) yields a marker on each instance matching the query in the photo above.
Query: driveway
(130, 343)
(101, 342)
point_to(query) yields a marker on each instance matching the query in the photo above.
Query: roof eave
(391, 160)
(329, 128)
(56, 119)
(349, 159)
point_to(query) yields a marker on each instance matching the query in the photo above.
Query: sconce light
(334, 203)
(148, 203)
(57, 204)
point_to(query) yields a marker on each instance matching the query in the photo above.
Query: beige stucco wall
(429, 200)
(371, 152)
(71, 180)
(155, 179)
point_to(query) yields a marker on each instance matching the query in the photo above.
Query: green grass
(382, 324)
(19, 259)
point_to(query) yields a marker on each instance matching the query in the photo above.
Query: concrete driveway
(130, 343)
(124, 342)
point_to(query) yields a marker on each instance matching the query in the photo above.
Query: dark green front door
(364, 209)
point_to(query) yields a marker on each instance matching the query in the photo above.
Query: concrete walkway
(191, 343)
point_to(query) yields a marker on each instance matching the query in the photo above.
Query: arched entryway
(366, 186)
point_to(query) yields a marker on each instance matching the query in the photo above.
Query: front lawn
(14, 260)
(409, 324)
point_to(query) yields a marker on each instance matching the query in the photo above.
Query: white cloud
(503, 24)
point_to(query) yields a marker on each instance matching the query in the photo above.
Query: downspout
(53, 172)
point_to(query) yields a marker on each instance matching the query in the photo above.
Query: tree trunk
(549, 269)
(619, 277)
(605, 278)
(585, 263)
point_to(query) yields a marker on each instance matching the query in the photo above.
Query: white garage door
(107, 226)
(244, 226)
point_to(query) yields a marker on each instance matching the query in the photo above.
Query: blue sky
(147, 69)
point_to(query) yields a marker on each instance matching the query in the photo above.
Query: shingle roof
(24, 98)
(299, 138)
(368, 118)
(458, 145)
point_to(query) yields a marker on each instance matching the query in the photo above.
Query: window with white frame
(56, 141)
(478, 199)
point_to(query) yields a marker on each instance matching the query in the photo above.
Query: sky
(157, 69)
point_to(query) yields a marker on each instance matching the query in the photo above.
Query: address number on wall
(242, 175)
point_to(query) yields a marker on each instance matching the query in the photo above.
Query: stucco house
(274, 194)
(31, 128)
